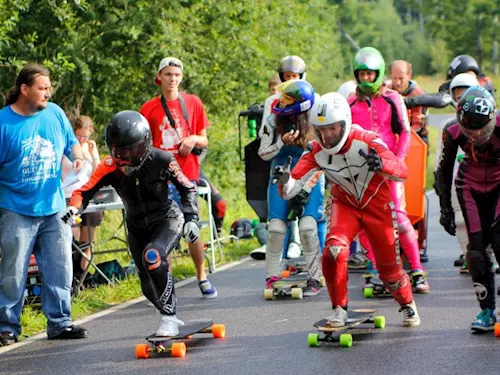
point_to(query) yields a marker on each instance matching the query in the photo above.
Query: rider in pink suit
(383, 111)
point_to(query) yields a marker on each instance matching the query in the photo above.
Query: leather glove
(447, 220)
(281, 173)
(70, 216)
(297, 205)
(439, 100)
(191, 232)
(373, 160)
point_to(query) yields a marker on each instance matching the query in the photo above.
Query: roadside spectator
(401, 74)
(178, 124)
(37, 133)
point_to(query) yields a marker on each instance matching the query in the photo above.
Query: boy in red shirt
(178, 124)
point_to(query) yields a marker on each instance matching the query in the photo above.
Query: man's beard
(41, 106)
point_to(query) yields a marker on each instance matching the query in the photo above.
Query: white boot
(169, 326)
(410, 315)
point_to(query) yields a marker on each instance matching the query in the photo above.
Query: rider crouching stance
(358, 164)
(140, 175)
(477, 133)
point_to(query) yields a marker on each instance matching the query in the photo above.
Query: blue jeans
(49, 238)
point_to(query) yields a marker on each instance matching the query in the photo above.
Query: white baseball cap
(168, 61)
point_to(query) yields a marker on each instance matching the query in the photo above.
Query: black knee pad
(477, 262)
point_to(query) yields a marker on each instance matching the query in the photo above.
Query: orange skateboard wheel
(219, 331)
(285, 273)
(142, 351)
(178, 349)
(497, 330)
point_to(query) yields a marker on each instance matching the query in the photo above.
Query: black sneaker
(312, 288)
(357, 261)
(70, 333)
(459, 262)
(7, 338)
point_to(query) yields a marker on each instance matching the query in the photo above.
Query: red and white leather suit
(361, 200)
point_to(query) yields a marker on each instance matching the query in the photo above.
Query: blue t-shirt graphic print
(31, 151)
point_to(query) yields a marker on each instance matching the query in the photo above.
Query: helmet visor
(479, 136)
(130, 155)
(329, 136)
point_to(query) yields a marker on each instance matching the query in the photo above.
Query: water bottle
(252, 128)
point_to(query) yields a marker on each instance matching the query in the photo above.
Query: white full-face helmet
(464, 80)
(331, 112)
(347, 89)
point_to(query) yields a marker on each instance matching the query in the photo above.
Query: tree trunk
(494, 46)
(351, 41)
(479, 42)
(420, 18)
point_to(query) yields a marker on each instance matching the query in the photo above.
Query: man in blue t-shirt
(34, 135)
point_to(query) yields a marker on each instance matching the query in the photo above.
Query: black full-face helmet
(462, 64)
(476, 114)
(128, 138)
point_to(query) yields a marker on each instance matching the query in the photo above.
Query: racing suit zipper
(352, 180)
(138, 194)
(370, 114)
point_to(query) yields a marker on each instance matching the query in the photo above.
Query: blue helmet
(297, 96)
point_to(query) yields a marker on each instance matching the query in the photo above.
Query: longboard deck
(296, 280)
(355, 317)
(184, 331)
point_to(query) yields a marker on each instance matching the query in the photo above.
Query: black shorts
(93, 219)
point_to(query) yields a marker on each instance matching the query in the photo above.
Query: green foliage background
(103, 53)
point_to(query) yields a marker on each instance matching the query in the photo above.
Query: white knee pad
(275, 242)
(308, 230)
(277, 226)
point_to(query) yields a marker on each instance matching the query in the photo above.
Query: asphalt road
(436, 120)
(270, 337)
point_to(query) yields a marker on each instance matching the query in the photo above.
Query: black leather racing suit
(478, 190)
(153, 221)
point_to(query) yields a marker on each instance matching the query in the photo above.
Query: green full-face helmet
(369, 58)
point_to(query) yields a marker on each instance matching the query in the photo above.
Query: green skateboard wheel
(345, 340)
(368, 292)
(379, 321)
(313, 339)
